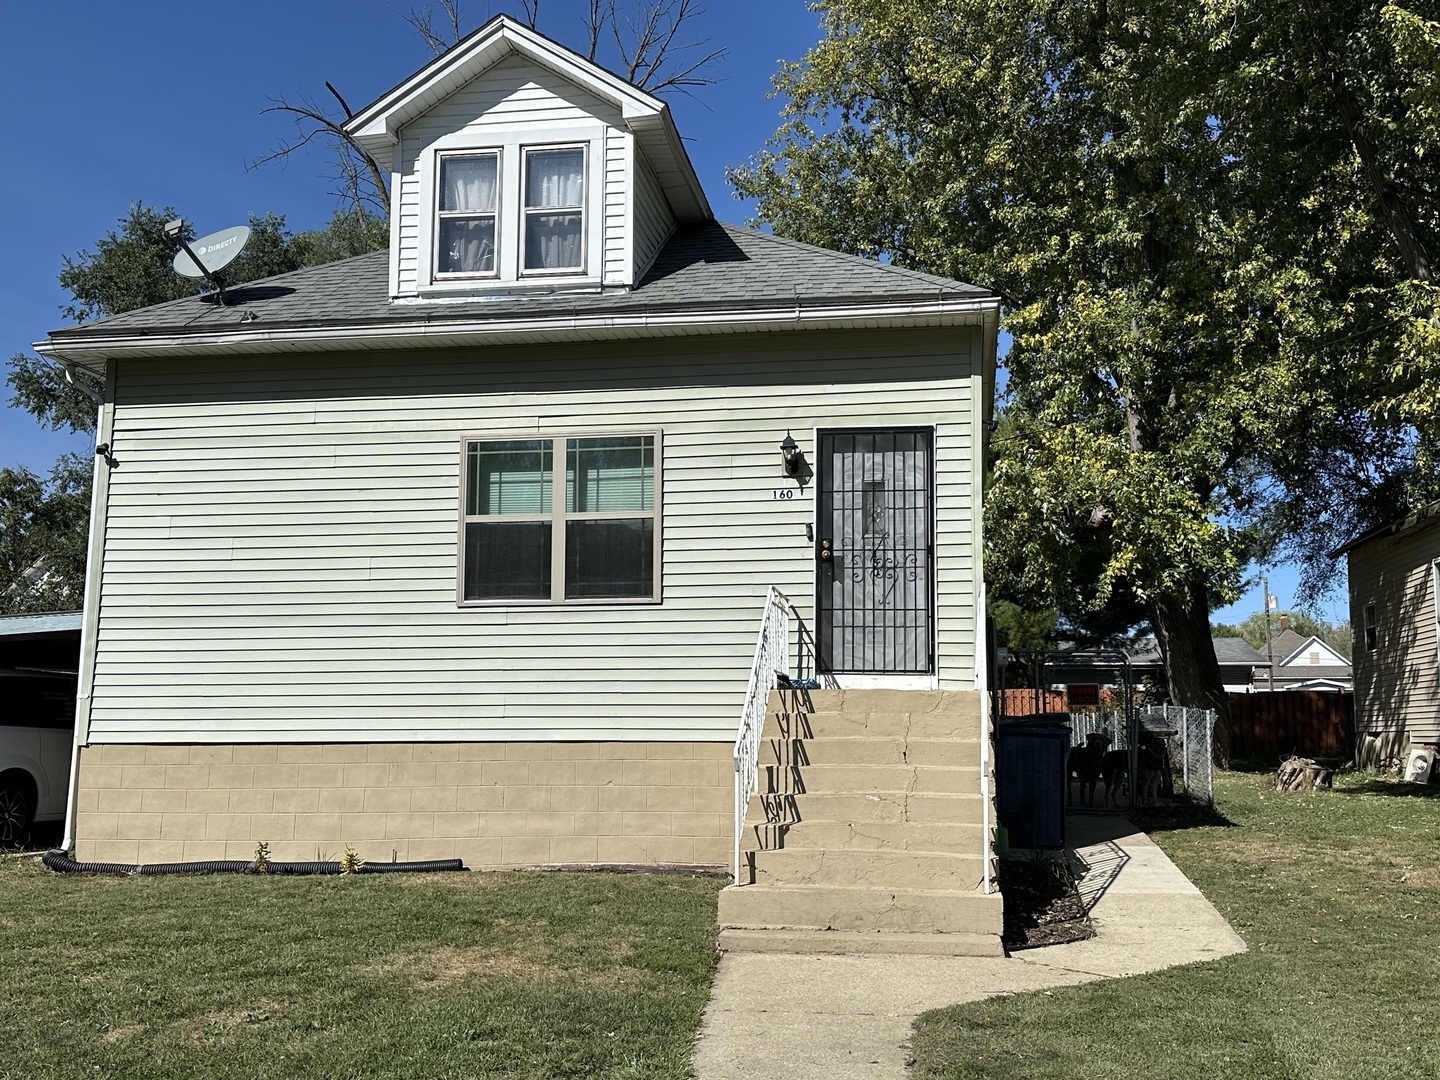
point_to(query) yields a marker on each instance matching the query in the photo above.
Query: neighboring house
(1243, 668)
(1394, 577)
(1304, 663)
(1236, 657)
(461, 549)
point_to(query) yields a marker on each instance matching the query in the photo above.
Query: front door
(875, 551)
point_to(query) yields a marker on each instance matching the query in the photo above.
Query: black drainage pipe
(61, 863)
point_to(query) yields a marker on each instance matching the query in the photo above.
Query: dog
(1085, 763)
(1149, 767)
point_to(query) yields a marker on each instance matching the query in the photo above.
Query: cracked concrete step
(878, 836)
(870, 750)
(831, 907)
(864, 779)
(939, 809)
(881, 700)
(947, 724)
(877, 869)
(860, 943)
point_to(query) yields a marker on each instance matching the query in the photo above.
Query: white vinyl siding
(653, 221)
(512, 99)
(1397, 686)
(619, 151)
(281, 553)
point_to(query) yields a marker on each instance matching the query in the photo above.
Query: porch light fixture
(790, 457)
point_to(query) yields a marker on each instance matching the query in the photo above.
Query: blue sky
(161, 102)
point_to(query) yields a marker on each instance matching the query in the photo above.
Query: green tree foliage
(42, 553)
(1016, 628)
(1208, 294)
(43, 536)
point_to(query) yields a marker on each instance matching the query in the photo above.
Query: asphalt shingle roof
(710, 266)
(1234, 650)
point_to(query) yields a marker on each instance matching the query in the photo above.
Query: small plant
(261, 864)
(350, 861)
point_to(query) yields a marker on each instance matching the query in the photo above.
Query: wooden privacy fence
(1278, 722)
(1023, 701)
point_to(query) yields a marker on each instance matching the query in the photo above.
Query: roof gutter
(91, 351)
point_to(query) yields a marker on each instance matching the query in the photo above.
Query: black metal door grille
(875, 546)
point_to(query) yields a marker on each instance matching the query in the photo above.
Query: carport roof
(14, 627)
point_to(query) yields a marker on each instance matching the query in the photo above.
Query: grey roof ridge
(918, 275)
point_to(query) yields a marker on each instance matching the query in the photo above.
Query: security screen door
(875, 551)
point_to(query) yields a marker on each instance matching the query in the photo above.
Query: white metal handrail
(772, 647)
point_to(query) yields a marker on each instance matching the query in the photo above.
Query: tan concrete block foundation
(494, 805)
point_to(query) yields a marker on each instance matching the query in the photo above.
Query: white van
(37, 730)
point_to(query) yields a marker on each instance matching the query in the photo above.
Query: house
(1304, 663)
(1236, 657)
(461, 549)
(1394, 577)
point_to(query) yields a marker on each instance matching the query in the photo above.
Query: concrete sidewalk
(797, 1017)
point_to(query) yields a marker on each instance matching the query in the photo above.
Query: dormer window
(513, 212)
(468, 209)
(555, 209)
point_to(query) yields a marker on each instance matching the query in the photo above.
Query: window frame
(437, 215)
(526, 149)
(559, 516)
(1370, 628)
(422, 207)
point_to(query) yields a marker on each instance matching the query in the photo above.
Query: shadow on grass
(1377, 786)
(1182, 815)
(1266, 765)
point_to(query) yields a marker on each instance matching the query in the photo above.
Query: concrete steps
(870, 750)
(865, 834)
(882, 869)
(957, 838)
(861, 942)
(896, 779)
(859, 908)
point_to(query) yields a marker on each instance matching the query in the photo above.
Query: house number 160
(782, 494)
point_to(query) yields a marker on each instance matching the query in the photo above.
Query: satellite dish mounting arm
(176, 231)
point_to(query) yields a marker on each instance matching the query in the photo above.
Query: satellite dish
(211, 254)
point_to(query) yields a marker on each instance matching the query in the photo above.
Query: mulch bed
(1042, 906)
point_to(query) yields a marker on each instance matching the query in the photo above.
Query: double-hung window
(469, 206)
(555, 209)
(560, 519)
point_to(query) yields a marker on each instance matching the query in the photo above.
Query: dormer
(517, 165)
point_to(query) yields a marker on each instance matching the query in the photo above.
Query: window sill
(490, 288)
(606, 601)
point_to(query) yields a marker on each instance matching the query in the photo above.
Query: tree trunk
(1182, 628)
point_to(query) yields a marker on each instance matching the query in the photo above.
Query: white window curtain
(554, 180)
(469, 193)
(469, 184)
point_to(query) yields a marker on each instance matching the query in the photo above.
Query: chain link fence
(1185, 734)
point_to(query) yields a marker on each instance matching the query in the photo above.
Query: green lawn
(459, 975)
(1338, 896)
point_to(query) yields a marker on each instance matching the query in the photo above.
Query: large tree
(1113, 170)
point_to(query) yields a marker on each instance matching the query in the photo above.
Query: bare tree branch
(532, 11)
(422, 20)
(595, 20)
(649, 50)
(352, 158)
